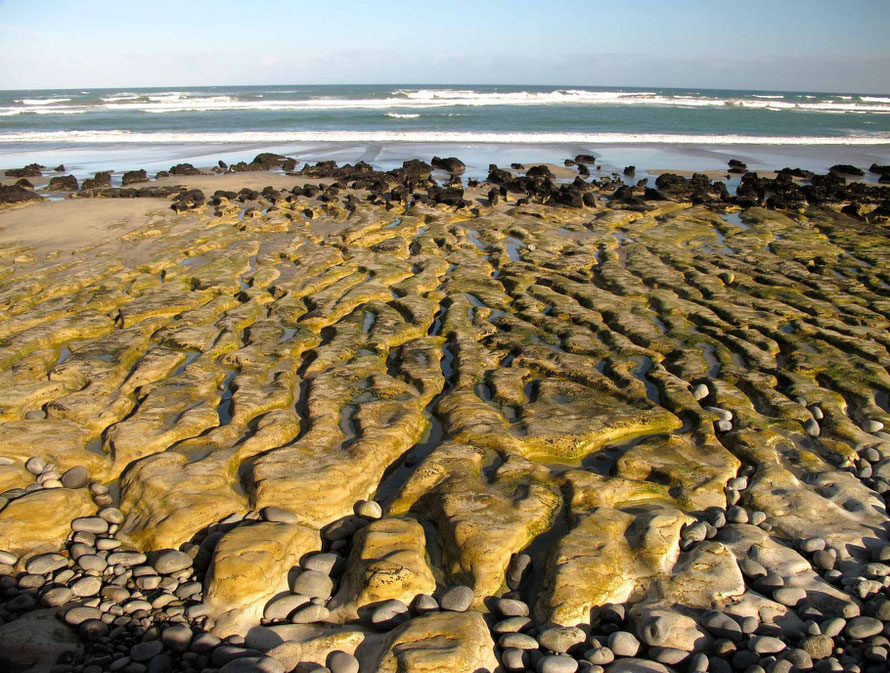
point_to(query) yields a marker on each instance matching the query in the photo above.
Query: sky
(811, 45)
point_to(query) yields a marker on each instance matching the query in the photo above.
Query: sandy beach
(332, 418)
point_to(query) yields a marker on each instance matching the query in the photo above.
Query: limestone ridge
(438, 434)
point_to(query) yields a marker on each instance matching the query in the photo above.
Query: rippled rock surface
(662, 425)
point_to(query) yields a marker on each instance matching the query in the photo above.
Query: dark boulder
(568, 163)
(24, 182)
(853, 210)
(99, 180)
(162, 174)
(585, 159)
(29, 171)
(184, 169)
(589, 200)
(415, 168)
(498, 175)
(539, 172)
(62, 183)
(881, 170)
(494, 196)
(797, 173)
(583, 171)
(131, 177)
(17, 194)
(188, 200)
(60, 168)
(736, 166)
(846, 169)
(450, 164)
(157, 191)
(222, 164)
(514, 166)
(630, 170)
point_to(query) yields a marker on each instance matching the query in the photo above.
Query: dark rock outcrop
(16, 194)
(846, 169)
(184, 169)
(451, 164)
(62, 183)
(131, 177)
(29, 171)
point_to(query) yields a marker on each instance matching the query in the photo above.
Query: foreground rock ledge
(358, 420)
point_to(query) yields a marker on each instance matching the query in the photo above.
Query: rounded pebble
(171, 561)
(557, 663)
(457, 599)
(342, 662)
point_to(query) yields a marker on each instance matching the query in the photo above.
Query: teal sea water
(152, 127)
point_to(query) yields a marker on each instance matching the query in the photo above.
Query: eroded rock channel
(448, 438)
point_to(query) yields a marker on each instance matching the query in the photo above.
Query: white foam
(402, 115)
(41, 101)
(422, 99)
(119, 136)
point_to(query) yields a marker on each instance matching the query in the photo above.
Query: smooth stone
(557, 663)
(282, 608)
(457, 599)
(696, 532)
(112, 515)
(721, 625)
(390, 613)
(424, 603)
(342, 662)
(766, 645)
(833, 627)
(514, 659)
(323, 562)
(811, 427)
(76, 477)
(872, 425)
(56, 597)
(518, 566)
(92, 562)
(511, 625)
(177, 637)
(278, 514)
(510, 607)
(600, 656)
(623, 644)
(79, 614)
(35, 465)
(90, 524)
(310, 614)
(254, 665)
(561, 639)
(634, 665)
(790, 596)
(225, 653)
(521, 641)
(668, 655)
(171, 561)
(8, 558)
(368, 509)
(861, 628)
(45, 563)
(700, 392)
(93, 629)
(86, 586)
(314, 584)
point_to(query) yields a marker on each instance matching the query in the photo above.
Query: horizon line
(452, 85)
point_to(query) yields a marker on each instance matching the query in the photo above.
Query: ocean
(651, 127)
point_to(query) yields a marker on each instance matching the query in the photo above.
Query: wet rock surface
(373, 423)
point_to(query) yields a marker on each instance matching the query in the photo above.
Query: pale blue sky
(776, 44)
